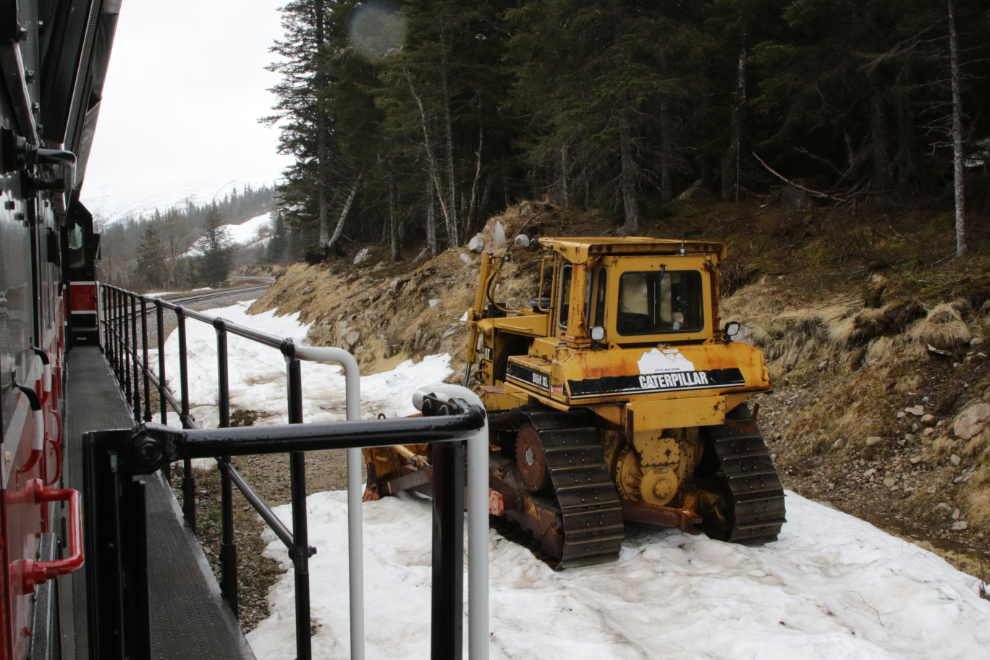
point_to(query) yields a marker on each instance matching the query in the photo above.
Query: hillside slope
(872, 333)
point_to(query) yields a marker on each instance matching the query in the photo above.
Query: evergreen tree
(151, 270)
(214, 266)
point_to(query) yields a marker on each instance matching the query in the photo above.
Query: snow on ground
(832, 588)
(244, 234)
(257, 374)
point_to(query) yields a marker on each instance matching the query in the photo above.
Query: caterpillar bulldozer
(619, 397)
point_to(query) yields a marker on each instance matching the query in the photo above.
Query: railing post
(115, 323)
(162, 401)
(447, 626)
(146, 367)
(129, 397)
(188, 483)
(228, 549)
(136, 360)
(104, 321)
(160, 322)
(300, 550)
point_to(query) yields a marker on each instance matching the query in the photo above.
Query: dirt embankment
(874, 340)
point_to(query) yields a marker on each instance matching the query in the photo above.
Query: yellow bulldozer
(617, 397)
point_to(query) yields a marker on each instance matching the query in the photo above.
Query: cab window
(663, 302)
(564, 302)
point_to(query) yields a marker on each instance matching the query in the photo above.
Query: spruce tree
(217, 247)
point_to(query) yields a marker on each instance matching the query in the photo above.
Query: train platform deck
(189, 619)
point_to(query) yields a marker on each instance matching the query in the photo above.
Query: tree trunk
(880, 138)
(730, 160)
(957, 136)
(332, 243)
(469, 225)
(628, 176)
(393, 220)
(451, 182)
(431, 219)
(666, 147)
(434, 170)
(322, 151)
(563, 175)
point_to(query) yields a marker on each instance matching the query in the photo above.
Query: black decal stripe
(681, 381)
(524, 375)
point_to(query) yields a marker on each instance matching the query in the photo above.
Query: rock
(975, 341)
(796, 198)
(955, 514)
(822, 365)
(362, 256)
(498, 235)
(449, 333)
(928, 418)
(434, 302)
(693, 194)
(477, 244)
(971, 421)
(889, 482)
(358, 350)
(306, 291)
(917, 411)
(522, 240)
(901, 414)
(876, 278)
(352, 337)
(963, 478)
(872, 440)
(836, 444)
(927, 432)
(466, 259)
(525, 210)
(915, 460)
(909, 437)
(870, 472)
(955, 460)
(960, 526)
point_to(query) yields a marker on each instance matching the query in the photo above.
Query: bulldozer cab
(633, 291)
(630, 299)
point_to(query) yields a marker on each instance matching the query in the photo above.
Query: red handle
(36, 572)
(58, 463)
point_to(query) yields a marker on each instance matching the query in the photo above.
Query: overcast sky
(184, 92)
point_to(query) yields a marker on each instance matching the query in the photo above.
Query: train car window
(77, 251)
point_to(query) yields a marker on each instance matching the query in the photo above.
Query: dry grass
(944, 328)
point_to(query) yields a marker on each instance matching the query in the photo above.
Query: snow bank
(244, 234)
(833, 587)
(257, 373)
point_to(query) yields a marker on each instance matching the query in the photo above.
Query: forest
(146, 253)
(417, 120)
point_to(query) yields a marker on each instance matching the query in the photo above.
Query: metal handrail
(120, 326)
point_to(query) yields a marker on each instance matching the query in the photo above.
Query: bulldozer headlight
(597, 333)
(731, 328)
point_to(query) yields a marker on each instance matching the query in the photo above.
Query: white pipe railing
(355, 541)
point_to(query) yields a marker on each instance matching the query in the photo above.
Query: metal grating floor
(188, 617)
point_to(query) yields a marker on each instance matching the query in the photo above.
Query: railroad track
(185, 298)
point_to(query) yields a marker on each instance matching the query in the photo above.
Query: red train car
(53, 56)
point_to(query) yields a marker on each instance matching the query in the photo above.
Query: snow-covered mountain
(255, 231)
(113, 201)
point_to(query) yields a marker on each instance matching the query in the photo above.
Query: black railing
(155, 446)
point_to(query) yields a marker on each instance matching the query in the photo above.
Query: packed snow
(257, 373)
(247, 234)
(833, 587)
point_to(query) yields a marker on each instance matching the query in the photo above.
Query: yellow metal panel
(674, 413)
(531, 325)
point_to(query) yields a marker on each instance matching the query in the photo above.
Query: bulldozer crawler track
(755, 494)
(590, 513)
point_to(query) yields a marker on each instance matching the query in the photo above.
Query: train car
(54, 56)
